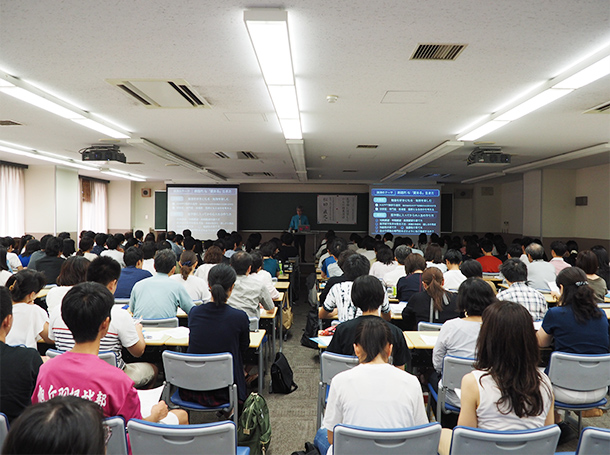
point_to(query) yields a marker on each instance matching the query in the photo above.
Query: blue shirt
(329, 260)
(130, 275)
(271, 265)
(159, 297)
(298, 220)
(570, 336)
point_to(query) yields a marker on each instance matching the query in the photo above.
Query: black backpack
(281, 375)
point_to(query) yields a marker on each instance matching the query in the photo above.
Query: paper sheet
(322, 341)
(430, 340)
(553, 286)
(397, 307)
(537, 325)
(149, 398)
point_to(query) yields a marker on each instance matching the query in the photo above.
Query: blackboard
(160, 211)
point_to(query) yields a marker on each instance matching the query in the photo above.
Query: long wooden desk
(415, 341)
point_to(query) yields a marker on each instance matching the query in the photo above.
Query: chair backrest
(253, 323)
(117, 444)
(331, 364)
(541, 441)
(107, 356)
(165, 322)
(147, 438)
(420, 440)
(580, 372)
(454, 369)
(594, 441)
(199, 372)
(121, 301)
(3, 428)
(429, 327)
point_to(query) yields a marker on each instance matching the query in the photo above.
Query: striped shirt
(529, 297)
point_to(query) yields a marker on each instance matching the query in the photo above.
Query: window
(12, 200)
(93, 206)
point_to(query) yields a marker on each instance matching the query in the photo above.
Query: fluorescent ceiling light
(480, 178)
(118, 171)
(482, 130)
(213, 175)
(576, 154)
(284, 99)
(586, 76)
(297, 153)
(542, 99)
(101, 128)
(291, 128)
(39, 101)
(123, 175)
(57, 159)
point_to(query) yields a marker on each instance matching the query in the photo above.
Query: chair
(253, 323)
(429, 327)
(214, 438)
(117, 444)
(585, 373)
(594, 441)
(454, 369)
(469, 441)
(121, 301)
(3, 428)
(199, 372)
(330, 365)
(107, 356)
(420, 440)
(165, 322)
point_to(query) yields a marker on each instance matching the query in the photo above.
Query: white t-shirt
(453, 279)
(203, 270)
(28, 322)
(196, 287)
(13, 261)
(265, 278)
(376, 396)
(442, 267)
(116, 255)
(55, 296)
(391, 278)
(4, 276)
(379, 269)
(149, 264)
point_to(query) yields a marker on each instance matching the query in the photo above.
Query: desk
(256, 341)
(282, 285)
(415, 340)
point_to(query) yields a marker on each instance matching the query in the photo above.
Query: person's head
(408, 241)
(186, 233)
(44, 239)
(535, 251)
(353, 237)
(241, 262)
(337, 246)
(112, 243)
(356, 265)
(474, 295)
(235, 241)
(507, 349)
(139, 235)
(213, 255)
(287, 238)
(55, 247)
(68, 248)
(487, 245)
(165, 261)
(62, 425)
(84, 245)
(387, 236)
(221, 234)
(162, 237)
(149, 249)
(105, 271)
(73, 271)
(453, 257)
(178, 239)
(171, 236)
(3, 263)
(587, 260)
(423, 238)
(367, 293)
(8, 242)
(267, 249)
(514, 270)
(471, 268)
(602, 258)
(6, 310)
(86, 311)
(576, 292)
(25, 284)
(414, 262)
(572, 246)
(434, 253)
(558, 248)
(401, 252)
(63, 235)
(189, 243)
(257, 261)
(221, 279)
(432, 280)
(150, 237)
(514, 251)
(384, 255)
(100, 239)
(373, 338)
(299, 210)
(31, 246)
(188, 262)
(132, 256)
(343, 257)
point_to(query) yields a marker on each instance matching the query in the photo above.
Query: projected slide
(202, 209)
(404, 211)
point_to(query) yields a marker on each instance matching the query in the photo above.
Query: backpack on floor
(282, 376)
(254, 429)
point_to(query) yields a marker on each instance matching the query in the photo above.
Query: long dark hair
(373, 335)
(221, 279)
(188, 260)
(577, 294)
(433, 278)
(507, 350)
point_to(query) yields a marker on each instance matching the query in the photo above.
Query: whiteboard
(337, 209)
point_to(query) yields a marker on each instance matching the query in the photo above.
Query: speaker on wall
(146, 192)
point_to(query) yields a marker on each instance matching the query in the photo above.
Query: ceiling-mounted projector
(103, 152)
(488, 155)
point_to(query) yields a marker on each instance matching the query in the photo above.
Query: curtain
(93, 214)
(12, 201)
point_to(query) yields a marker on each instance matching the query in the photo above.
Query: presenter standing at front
(299, 224)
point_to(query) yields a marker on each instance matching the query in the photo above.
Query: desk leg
(273, 330)
(261, 371)
(281, 342)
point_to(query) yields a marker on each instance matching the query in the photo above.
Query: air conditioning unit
(488, 156)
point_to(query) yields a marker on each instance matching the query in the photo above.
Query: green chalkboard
(160, 211)
(273, 211)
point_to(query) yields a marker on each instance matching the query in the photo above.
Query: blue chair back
(540, 441)
(117, 444)
(594, 441)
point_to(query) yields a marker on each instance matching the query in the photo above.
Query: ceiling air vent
(350, 170)
(222, 155)
(438, 51)
(436, 176)
(245, 155)
(603, 108)
(161, 93)
(241, 155)
(367, 146)
(259, 174)
(9, 123)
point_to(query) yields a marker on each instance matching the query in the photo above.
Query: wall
(512, 207)
(120, 197)
(40, 200)
(593, 220)
(143, 208)
(532, 203)
(558, 209)
(67, 197)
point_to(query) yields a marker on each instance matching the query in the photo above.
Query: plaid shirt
(530, 298)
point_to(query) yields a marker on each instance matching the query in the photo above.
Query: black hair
(179, 239)
(367, 293)
(32, 246)
(514, 270)
(138, 234)
(84, 308)
(254, 240)
(62, 425)
(148, 250)
(165, 260)
(132, 256)
(514, 250)
(604, 264)
(103, 270)
(130, 242)
(558, 247)
(171, 235)
(577, 294)
(188, 262)
(267, 249)
(64, 235)
(85, 244)
(356, 265)
(55, 245)
(453, 257)
(235, 240)
(3, 263)
(44, 239)
(241, 262)
(414, 262)
(187, 233)
(343, 257)
(112, 242)
(385, 255)
(571, 245)
(150, 237)
(587, 260)
(287, 238)
(100, 239)
(257, 260)
(73, 271)
(188, 243)
(337, 246)
(474, 295)
(368, 243)
(221, 278)
(221, 234)
(471, 268)
(373, 335)
(23, 283)
(487, 245)
(6, 303)
(388, 236)
(68, 248)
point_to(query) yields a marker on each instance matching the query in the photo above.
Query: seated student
(603, 270)
(196, 287)
(400, 255)
(13, 260)
(148, 261)
(433, 304)
(453, 276)
(85, 245)
(330, 268)
(51, 264)
(100, 241)
(411, 283)
(18, 365)
(339, 303)
(262, 275)
(489, 262)
(31, 247)
(367, 248)
(458, 337)
(249, 293)
(216, 327)
(558, 250)
(287, 249)
(587, 261)
(122, 332)
(234, 244)
(115, 251)
(63, 425)
(159, 297)
(388, 240)
(213, 255)
(30, 322)
(131, 273)
(373, 394)
(270, 264)
(384, 264)
(350, 275)
(86, 309)
(368, 295)
(539, 272)
(73, 271)
(5, 274)
(473, 269)
(434, 257)
(516, 274)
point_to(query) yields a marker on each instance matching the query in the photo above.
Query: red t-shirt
(491, 264)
